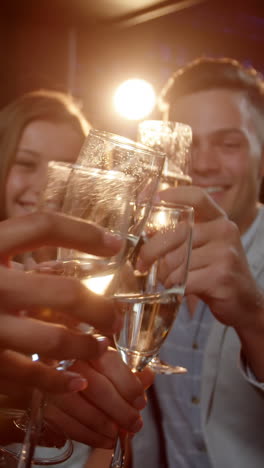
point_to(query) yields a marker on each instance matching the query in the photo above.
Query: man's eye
(231, 144)
(26, 164)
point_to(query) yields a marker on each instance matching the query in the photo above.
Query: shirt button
(195, 400)
(201, 447)
(195, 345)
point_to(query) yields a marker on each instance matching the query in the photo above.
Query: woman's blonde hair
(53, 106)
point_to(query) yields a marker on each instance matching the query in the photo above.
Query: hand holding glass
(175, 139)
(106, 192)
(150, 305)
(98, 196)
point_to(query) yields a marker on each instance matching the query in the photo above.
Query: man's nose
(204, 159)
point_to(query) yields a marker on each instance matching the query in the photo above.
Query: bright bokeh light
(134, 99)
(98, 285)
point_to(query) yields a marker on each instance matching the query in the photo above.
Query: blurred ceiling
(118, 10)
(88, 47)
(122, 12)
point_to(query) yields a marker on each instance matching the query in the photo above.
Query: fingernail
(77, 382)
(102, 341)
(112, 240)
(139, 403)
(137, 425)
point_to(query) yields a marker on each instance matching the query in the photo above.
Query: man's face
(227, 151)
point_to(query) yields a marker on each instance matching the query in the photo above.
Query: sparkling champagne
(147, 322)
(172, 179)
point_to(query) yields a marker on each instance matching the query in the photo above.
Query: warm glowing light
(161, 219)
(135, 99)
(98, 285)
(35, 357)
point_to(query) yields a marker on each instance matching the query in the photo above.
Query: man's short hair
(207, 73)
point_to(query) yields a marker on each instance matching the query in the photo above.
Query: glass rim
(159, 121)
(92, 170)
(126, 142)
(169, 206)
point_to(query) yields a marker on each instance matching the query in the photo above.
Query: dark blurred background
(88, 47)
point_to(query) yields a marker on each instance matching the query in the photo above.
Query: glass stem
(119, 455)
(33, 430)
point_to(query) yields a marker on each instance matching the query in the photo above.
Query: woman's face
(41, 142)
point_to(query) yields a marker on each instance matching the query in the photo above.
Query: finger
(230, 262)
(18, 369)
(205, 207)
(198, 285)
(217, 242)
(12, 389)
(176, 260)
(103, 394)
(40, 228)
(211, 243)
(162, 243)
(20, 291)
(86, 414)
(76, 430)
(34, 336)
(147, 377)
(128, 385)
(203, 256)
(211, 253)
(221, 229)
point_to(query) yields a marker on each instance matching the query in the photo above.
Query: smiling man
(227, 124)
(213, 417)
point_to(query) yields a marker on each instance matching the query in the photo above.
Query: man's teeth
(214, 189)
(29, 208)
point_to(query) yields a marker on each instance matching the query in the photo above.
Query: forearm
(99, 458)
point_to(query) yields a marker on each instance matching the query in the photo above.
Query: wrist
(251, 334)
(251, 320)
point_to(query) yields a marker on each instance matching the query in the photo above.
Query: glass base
(53, 445)
(161, 367)
(7, 460)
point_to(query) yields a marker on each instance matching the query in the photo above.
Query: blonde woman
(36, 128)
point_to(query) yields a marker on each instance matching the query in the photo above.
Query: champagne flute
(98, 196)
(149, 307)
(122, 174)
(107, 151)
(122, 162)
(107, 195)
(102, 197)
(175, 139)
(7, 460)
